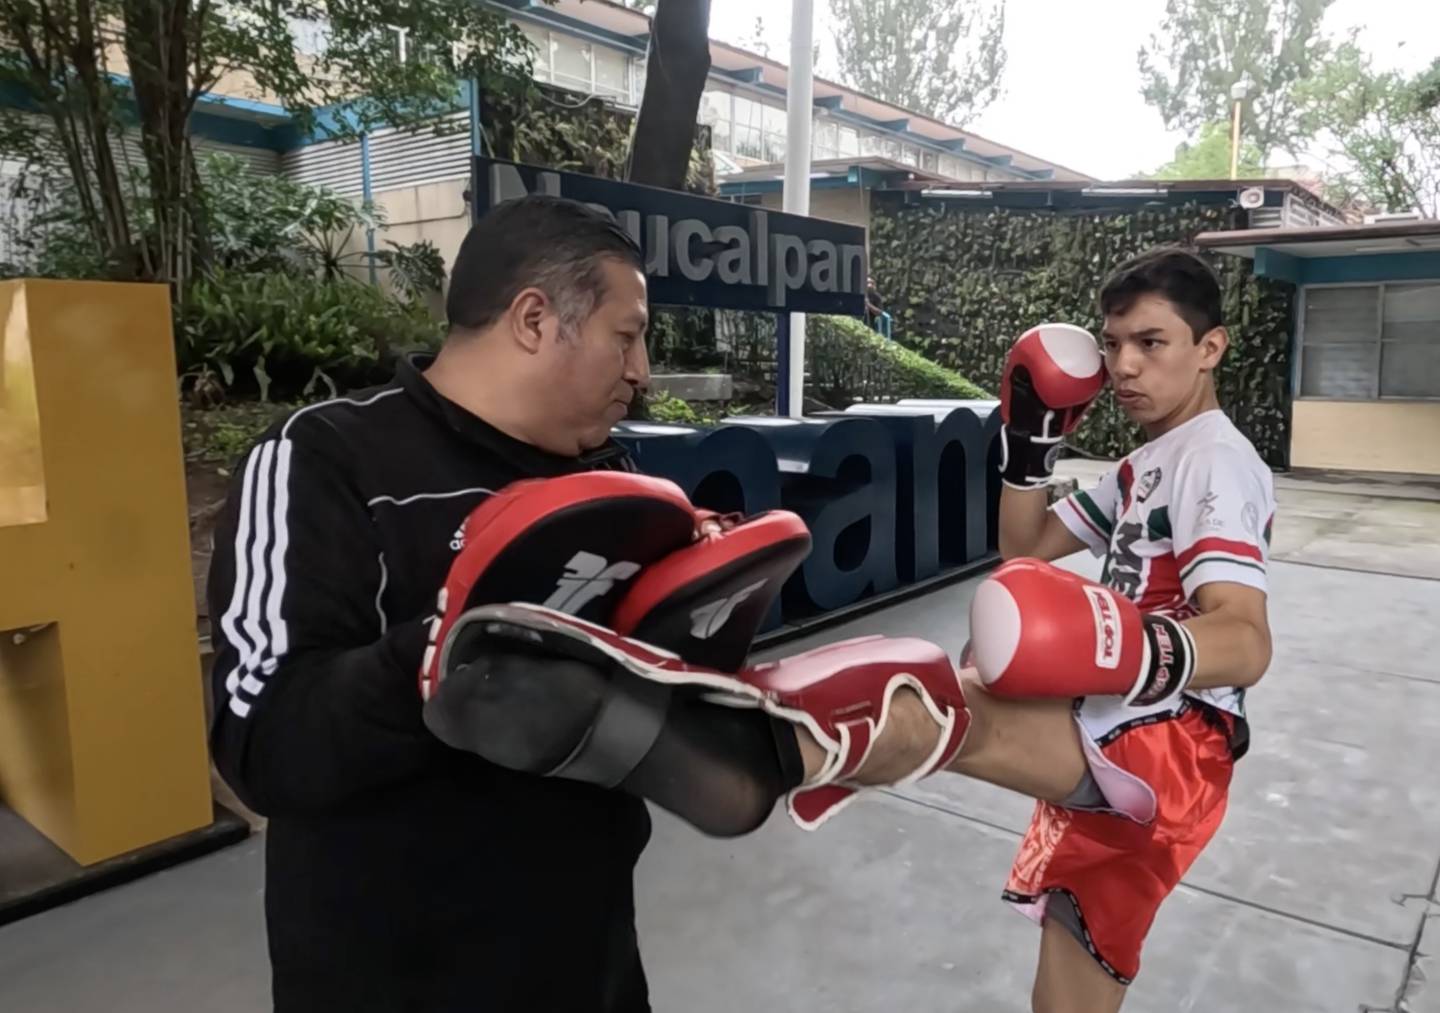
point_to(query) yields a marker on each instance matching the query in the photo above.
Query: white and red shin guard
(843, 695)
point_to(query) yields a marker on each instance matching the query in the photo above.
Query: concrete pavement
(1317, 895)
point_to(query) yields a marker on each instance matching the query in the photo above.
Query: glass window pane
(930, 161)
(774, 148)
(1341, 314)
(572, 62)
(720, 136)
(612, 71)
(774, 120)
(1412, 312)
(871, 144)
(747, 113)
(715, 106)
(540, 39)
(1338, 370)
(849, 143)
(1410, 369)
(747, 142)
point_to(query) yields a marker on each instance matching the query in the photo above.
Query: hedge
(963, 284)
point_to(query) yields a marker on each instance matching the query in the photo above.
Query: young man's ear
(1212, 346)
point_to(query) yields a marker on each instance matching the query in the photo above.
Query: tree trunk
(676, 68)
(156, 45)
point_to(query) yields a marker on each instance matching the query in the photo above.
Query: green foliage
(283, 334)
(1209, 157)
(963, 285)
(1382, 127)
(849, 362)
(665, 407)
(547, 126)
(1205, 46)
(219, 436)
(405, 57)
(417, 270)
(943, 58)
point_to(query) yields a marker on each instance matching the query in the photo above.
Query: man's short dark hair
(1177, 275)
(549, 243)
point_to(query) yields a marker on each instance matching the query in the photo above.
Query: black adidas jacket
(400, 874)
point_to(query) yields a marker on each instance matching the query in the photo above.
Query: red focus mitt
(572, 543)
(706, 601)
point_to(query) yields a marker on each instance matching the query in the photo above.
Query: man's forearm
(1022, 520)
(1230, 649)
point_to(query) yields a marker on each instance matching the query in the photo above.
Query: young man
(1183, 524)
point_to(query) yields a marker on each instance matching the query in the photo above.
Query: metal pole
(799, 109)
(369, 197)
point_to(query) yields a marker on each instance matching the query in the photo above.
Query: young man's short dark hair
(1177, 275)
(550, 243)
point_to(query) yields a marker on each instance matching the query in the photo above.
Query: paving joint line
(1218, 894)
(1355, 569)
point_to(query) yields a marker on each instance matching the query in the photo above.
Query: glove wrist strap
(1169, 661)
(1027, 461)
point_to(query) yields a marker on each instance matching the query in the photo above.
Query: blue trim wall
(1422, 265)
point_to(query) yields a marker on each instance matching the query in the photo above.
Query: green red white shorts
(1114, 867)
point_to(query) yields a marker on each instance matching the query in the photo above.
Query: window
(612, 73)
(825, 140)
(571, 64)
(540, 39)
(1363, 342)
(849, 142)
(1410, 341)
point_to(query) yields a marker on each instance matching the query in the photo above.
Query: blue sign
(890, 499)
(700, 251)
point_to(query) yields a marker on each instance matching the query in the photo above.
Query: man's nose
(637, 366)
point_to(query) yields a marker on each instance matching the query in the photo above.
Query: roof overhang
(1385, 251)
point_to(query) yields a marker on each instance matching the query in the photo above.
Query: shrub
(849, 362)
(283, 334)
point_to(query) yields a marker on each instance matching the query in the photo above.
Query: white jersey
(1193, 507)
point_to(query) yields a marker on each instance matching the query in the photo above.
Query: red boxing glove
(1039, 631)
(1052, 375)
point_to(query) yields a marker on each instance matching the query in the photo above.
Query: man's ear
(529, 315)
(1212, 346)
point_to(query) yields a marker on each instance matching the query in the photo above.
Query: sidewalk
(1314, 898)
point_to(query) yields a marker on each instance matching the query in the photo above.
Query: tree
(94, 72)
(943, 58)
(676, 68)
(1209, 157)
(1382, 128)
(1206, 46)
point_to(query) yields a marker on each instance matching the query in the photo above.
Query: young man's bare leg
(1028, 746)
(1068, 980)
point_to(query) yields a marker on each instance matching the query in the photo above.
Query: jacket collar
(531, 460)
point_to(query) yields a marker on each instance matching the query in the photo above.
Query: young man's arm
(1028, 527)
(1222, 509)
(1232, 636)
(1082, 520)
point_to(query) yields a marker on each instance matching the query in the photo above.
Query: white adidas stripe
(255, 622)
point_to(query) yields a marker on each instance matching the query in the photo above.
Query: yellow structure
(1366, 436)
(102, 729)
